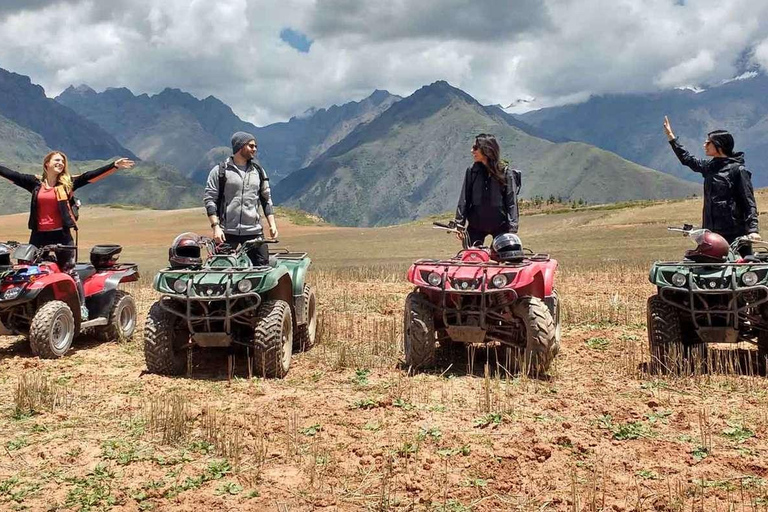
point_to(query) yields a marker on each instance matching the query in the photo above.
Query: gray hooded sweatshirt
(243, 192)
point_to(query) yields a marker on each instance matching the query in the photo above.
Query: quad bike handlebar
(738, 243)
(453, 227)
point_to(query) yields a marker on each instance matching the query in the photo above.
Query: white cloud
(555, 51)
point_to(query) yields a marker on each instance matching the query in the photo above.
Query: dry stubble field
(349, 429)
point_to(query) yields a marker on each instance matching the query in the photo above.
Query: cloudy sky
(270, 60)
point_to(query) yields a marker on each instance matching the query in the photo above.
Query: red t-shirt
(48, 214)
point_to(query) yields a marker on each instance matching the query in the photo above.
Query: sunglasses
(475, 147)
(708, 142)
(252, 146)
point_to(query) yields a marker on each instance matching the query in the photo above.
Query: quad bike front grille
(710, 308)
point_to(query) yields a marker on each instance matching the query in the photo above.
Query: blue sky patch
(296, 39)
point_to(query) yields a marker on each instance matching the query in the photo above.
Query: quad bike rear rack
(229, 298)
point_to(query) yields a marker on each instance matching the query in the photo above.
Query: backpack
(221, 209)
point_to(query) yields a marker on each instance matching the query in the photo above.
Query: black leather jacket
(730, 209)
(486, 204)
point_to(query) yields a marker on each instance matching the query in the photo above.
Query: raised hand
(124, 163)
(668, 128)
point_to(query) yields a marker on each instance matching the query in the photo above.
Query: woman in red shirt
(50, 213)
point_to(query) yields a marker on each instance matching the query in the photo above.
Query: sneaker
(83, 313)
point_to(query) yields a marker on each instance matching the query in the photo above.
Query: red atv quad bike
(501, 296)
(38, 298)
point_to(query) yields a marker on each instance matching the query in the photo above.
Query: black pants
(57, 236)
(63, 237)
(478, 235)
(259, 255)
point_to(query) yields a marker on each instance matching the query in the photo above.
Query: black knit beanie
(240, 139)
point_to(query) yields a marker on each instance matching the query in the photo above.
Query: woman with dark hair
(730, 209)
(488, 199)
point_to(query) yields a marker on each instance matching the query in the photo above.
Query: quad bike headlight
(679, 279)
(434, 279)
(749, 278)
(244, 286)
(12, 293)
(499, 281)
(180, 286)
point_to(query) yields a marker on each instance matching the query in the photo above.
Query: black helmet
(185, 251)
(507, 247)
(5, 255)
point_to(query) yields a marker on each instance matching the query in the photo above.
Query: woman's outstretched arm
(696, 165)
(100, 173)
(25, 181)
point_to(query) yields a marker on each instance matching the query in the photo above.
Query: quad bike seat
(105, 256)
(84, 270)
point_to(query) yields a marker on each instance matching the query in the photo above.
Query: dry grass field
(350, 429)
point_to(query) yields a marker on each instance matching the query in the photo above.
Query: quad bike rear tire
(305, 333)
(418, 332)
(541, 344)
(122, 318)
(273, 339)
(52, 330)
(664, 337)
(160, 352)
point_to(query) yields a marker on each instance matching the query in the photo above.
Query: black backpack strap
(220, 209)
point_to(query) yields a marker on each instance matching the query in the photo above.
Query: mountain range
(410, 160)
(630, 125)
(175, 128)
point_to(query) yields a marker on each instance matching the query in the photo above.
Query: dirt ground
(350, 429)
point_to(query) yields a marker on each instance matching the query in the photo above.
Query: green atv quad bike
(226, 301)
(713, 296)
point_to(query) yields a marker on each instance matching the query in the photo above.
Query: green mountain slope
(409, 162)
(19, 144)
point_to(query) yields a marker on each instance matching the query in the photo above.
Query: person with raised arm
(730, 209)
(52, 207)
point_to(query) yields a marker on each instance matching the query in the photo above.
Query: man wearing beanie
(234, 190)
(730, 209)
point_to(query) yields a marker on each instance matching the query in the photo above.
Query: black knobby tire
(122, 318)
(52, 330)
(664, 337)
(418, 332)
(541, 344)
(160, 352)
(273, 339)
(305, 333)
(762, 343)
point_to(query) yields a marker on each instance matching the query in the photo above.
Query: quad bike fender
(109, 280)
(283, 290)
(537, 280)
(298, 271)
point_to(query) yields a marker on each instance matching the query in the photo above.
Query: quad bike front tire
(418, 332)
(305, 333)
(664, 337)
(541, 344)
(762, 344)
(160, 352)
(52, 330)
(122, 318)
(273, 339)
